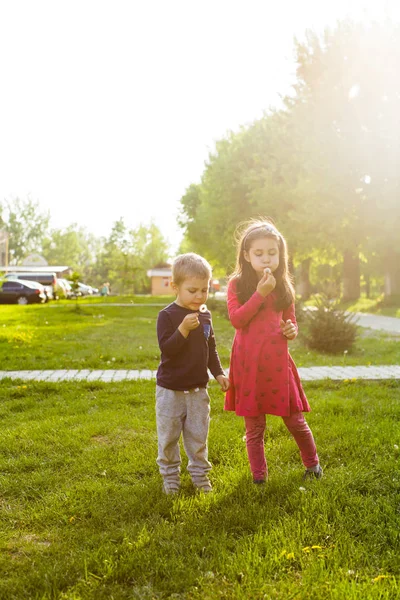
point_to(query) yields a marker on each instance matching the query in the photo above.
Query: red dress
(263, 377)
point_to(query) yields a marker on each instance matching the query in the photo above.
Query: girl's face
(263, 252)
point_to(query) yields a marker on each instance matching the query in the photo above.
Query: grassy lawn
(83, 516)
(105, 337)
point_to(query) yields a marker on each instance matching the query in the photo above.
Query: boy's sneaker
(316, 472)
(170, 487)
(203, 486)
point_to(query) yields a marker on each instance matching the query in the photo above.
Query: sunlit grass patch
(83, 516)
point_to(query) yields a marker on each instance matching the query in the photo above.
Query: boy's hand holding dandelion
(289, 329)
(267, 283)
(189, 323)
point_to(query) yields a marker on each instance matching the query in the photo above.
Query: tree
(346, 109)
(128, 254)
(26, 226)
(72, 246)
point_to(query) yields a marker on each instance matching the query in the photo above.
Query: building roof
(35, 269)
(159, 272)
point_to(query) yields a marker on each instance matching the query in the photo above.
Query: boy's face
(192, 292)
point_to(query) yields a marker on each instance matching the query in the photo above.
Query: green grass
(113, 337)
(83, 516)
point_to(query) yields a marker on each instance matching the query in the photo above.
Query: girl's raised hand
(289, 329)
(266, 284)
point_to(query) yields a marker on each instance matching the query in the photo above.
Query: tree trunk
(351, 275)
(304, 284)
(392, 277)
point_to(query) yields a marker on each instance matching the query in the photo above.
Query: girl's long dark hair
(244, 274)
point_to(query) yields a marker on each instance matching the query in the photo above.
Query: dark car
(21, 292)
(48, 280)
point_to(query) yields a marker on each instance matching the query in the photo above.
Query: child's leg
(195, 433)
(298, 427)
(255, 428)
(170, 413)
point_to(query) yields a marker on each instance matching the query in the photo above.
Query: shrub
(330, 329)
(217, 306)
(299, 309)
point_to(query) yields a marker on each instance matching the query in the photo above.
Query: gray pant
(187, 413)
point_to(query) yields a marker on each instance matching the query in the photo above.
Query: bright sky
(109, 109)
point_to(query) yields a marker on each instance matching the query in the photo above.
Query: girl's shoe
(259, 481)
(316, 472)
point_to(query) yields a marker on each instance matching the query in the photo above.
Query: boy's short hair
(190, 265)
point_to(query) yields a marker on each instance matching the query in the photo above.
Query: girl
(263, 377)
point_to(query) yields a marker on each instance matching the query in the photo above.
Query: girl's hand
(189, 323)
(223, 382)
(289, 329)
(266, 284)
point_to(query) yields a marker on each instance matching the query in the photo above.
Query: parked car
(21, 292)
(85, 290)
(66, 287)
(48, 280)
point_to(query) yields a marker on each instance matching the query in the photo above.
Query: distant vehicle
(66, 287)
(48, 280)
(87, 290)
(22, 292)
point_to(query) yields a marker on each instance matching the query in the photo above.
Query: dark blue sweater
(184, 361)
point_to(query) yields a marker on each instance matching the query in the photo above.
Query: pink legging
(298, 427)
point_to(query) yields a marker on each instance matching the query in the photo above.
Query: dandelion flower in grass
(290, 555)
(307, 549)
(376, 579)
(283, 553)
(316, 547)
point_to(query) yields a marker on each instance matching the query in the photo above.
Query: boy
(188, 350)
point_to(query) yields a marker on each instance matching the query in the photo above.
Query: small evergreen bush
(299, 310)
(330, 329)
(217, 306)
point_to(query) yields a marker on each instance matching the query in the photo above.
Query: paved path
(108, 375)
(390, 324)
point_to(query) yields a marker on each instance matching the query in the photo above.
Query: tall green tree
(346, 111)
(128, 254)
(27, 226)
(72, 246)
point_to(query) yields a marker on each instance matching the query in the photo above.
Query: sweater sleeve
(289, 313)
(241, 314)
(214, 363)
(170, 340)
